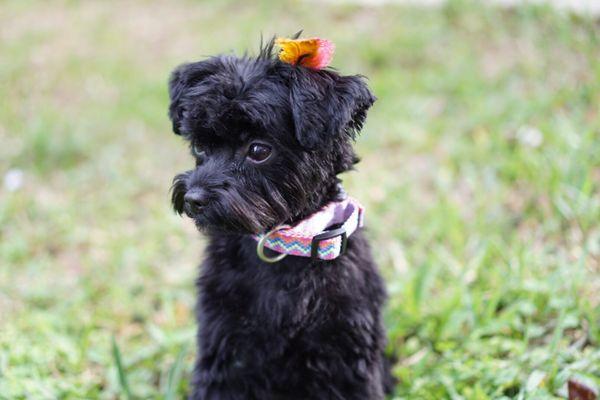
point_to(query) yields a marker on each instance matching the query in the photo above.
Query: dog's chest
(253, 295)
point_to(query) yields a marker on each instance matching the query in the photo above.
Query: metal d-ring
(260, 246)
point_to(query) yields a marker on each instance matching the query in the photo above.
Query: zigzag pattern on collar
(346, 215)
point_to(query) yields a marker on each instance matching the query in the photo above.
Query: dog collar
(322, 235)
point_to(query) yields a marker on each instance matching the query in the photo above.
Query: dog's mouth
(200, 214)
(194, 212)
(203, 224)
(214, 217)
(222, 208)
(202, 219)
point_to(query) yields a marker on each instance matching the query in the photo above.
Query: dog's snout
(194, 200)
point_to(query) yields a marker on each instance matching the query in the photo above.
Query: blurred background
(480, 172)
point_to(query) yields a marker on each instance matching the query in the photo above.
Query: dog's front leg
(230, 366)
(217, 392)
(218, 383)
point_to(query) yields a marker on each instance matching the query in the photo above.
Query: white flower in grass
(530, 136)
(13, 180)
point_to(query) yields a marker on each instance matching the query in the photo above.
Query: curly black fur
(297, 329)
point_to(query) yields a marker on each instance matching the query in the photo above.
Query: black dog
(269, 139)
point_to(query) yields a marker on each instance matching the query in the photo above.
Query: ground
(480, 172)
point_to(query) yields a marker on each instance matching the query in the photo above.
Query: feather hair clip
(312, 53)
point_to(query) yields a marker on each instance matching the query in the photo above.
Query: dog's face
(268, 139)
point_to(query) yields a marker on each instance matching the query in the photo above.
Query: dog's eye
(198, 151)
(259, 152)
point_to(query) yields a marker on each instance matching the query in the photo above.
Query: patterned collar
(322, 235)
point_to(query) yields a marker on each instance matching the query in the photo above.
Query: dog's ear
(325, 104)
(182, 79)
(178, 191)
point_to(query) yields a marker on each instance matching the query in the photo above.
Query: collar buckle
(328, 234)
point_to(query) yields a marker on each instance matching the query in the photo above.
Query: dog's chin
(208, 222)
(201, 222)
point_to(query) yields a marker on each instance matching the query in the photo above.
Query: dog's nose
(195, 199)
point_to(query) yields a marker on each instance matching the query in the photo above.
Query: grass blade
(175, 374)
(120, 370)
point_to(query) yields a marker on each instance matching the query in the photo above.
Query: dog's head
(268, 138)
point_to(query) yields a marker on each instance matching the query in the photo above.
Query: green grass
(480, 173)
